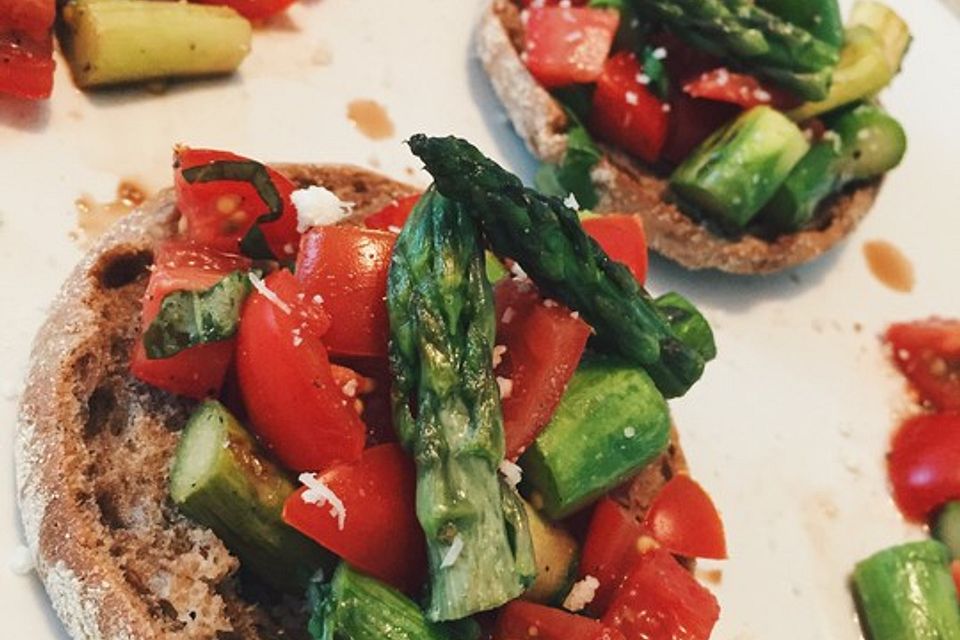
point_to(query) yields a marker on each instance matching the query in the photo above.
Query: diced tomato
(691, 122)
(564, 45)
(683, 62)
(625, 113)
(221, 213)
(661, 600)
(32, 16)
(521, 620)
(623, 239)
(684, 520)
(543, 348)
(347, 267)
(380, 534)
(740, 89)
(253, 9)
(393, 216)
(924, 464)
(928, 353)
(609, 550)
(295, 406)
(199, 371)
(26, 64)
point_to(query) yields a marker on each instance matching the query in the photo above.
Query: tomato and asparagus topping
(443, 411)
(721, 98)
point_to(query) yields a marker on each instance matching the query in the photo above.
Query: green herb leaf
(572, 175)
(191, 318)
(255, 174)
(654, 69)
(606, 4)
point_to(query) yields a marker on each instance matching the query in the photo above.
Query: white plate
(787, 428)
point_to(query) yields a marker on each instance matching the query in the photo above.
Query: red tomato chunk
(521, 620)
(380, 535)
(199, 371)
(568, 45)
(924, 464)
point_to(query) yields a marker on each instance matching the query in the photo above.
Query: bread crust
(81, 411)
(93, 447)
(625, 185)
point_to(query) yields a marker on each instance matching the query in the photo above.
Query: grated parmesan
(453, 553)
(581, 594)
(511, 472)
(318, 206)
(506, 387)
(268, 293)
(320, 494)
(498, 352)
(571, 201)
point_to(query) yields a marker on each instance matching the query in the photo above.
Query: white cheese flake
(517, 270)
(498, 352)
(660, 53)
(511, 472)
(318, 206)
(581, 594)
(268, 293)
(632, 98)
(320, 494)
(350, 388)
(453, 553)
(506, 387)
(571, 201)
(629, 432)
(21, 561)
(643, 79)
(317, 299)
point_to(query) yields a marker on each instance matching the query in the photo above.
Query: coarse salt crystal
(549, 304)
(511, 472)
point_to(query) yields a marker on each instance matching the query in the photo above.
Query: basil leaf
(190, 318)
(654, 69)
(257, 176)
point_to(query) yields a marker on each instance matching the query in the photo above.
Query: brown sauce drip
(888, 265)
(370, 118)
(93, 218)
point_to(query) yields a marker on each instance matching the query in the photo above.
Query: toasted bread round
(627, 186)
(94, 446)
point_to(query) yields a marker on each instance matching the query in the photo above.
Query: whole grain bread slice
(94, 447)
(627, 186)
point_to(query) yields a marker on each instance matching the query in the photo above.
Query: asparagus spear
(359, 607)
(546, 239)
(906, 593)
(114, 41)
(820, 17)
(753, 37)
(446, 406)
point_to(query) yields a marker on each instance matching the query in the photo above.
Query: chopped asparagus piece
(811, 180)
(890, 28)
(738, 169)
(357, 607)
(871, 141)
(610, 423)
(688, 323)
(820, 17)
(946, 527)
(117, 41)
(907, 593)
(221, 480)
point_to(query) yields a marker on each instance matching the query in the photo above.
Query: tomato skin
(609, 550)
(393, 216)
(381, 535)
(564, 45)
(199, 371)
(26, 65)
(521, 620)
(740, 89)
(253, 9)
(924, 464)
(33, 16)
(347, 267)
(625, 113)
(622, 237)
(684, 520)
(692, 121)
(544, 345)
(928, 354)
(221, 213)
(661, 600)
(295, 406)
